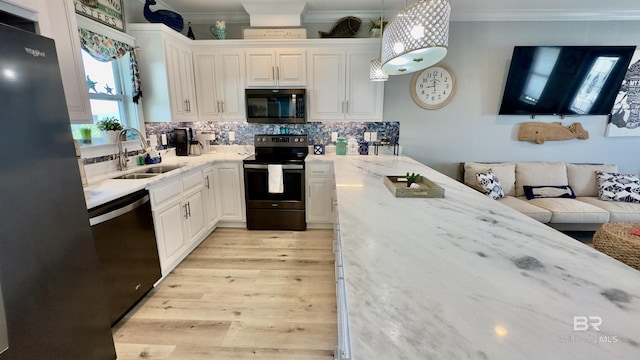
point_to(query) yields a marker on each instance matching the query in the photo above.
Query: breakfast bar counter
(465, 277)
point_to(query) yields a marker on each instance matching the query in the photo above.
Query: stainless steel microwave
(276, 106)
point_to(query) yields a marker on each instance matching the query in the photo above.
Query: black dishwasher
(127, 251)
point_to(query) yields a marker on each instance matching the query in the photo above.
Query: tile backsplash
(319, 132)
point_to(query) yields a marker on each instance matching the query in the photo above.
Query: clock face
(433, 88)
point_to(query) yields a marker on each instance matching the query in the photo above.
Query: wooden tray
(428, 189)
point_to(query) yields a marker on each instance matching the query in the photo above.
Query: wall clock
(433, 87)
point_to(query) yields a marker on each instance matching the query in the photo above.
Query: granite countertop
(465, 277)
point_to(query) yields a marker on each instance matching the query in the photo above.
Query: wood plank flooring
(240, 295)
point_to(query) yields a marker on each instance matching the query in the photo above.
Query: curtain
(106, 49)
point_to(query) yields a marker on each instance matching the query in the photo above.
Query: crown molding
(545, 15)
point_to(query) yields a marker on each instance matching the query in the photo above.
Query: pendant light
(375, 69)
(417, 37)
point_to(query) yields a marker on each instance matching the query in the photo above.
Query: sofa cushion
(491, 184)
(571, 211)
(537, 192)
(582, 177)
(619, 211)
(618, 187)
(540, 174)
(523, 206)
(506, 173)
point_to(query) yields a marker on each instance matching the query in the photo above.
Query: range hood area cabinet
(339, 87)
(165, 61)
(276, 67)
(219, 83)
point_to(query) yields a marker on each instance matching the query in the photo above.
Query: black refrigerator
(53, 302)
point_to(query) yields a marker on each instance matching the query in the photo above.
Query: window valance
(105, 49)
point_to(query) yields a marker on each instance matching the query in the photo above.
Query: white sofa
(584, 213)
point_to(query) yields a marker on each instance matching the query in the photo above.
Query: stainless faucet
(122, 154)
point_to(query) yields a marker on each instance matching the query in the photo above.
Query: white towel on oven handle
(276, 179)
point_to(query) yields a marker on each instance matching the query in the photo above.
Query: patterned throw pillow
(618, 187)
(550, 191)
(490, 183)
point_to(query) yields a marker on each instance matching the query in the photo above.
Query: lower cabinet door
(170, 235)
(196, 224)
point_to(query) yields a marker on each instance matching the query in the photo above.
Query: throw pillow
(490, 183)
(618, 187)
(506, 172)
(550, 191)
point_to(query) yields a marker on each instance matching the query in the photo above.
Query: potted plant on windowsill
(111, 126)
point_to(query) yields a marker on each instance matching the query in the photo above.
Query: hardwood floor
(240, 295)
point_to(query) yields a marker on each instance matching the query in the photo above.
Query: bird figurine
(108, 89)
(170, 18)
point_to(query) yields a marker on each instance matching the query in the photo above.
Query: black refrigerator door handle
(4, 336)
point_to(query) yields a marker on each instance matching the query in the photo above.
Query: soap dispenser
(341, 146)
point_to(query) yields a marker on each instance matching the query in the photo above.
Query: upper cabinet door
(64, 30)
(291, 67)
(339, 85)
(273, 67)
(261, 67)
(166, 70)
(364, 97)
(326, 92)
(219, 84)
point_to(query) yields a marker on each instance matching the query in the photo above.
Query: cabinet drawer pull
(186, 214)
(273, 73)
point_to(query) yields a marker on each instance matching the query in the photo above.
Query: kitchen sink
(146, 173)
(135, 176)
(158, 169)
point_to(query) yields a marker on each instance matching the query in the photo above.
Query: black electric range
(276, 208)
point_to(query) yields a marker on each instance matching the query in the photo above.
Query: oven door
(256, 182)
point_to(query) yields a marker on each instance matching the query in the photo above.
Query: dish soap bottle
(341, 146)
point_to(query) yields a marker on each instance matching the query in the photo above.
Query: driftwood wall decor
(539, 132)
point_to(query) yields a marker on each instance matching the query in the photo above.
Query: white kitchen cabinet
(320, 194)
(165, 61)
(229, 186)
(211, 208)
(64, 31)
(179, 217)
(276, 67)
(219, 83)
(339, 87)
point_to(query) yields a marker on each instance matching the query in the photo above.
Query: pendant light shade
(417, 37)
(375, 71)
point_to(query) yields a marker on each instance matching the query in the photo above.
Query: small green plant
(375, 24)
(109, 123)
(413, 177)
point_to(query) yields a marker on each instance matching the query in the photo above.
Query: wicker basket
(615, 240)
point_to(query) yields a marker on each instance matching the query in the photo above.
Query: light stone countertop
(465, 277)
(103, 188)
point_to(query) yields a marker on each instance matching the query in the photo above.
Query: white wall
(469, 129)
